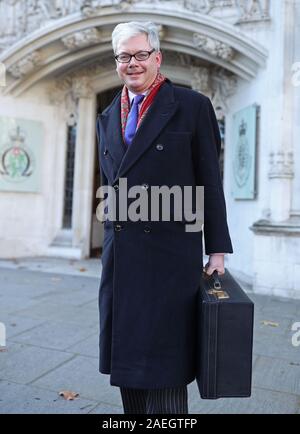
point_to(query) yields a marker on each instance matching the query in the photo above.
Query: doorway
(97, 230)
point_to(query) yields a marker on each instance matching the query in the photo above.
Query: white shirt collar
(132, 95)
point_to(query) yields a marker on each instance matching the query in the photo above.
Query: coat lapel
(160, 112)
(113, 141)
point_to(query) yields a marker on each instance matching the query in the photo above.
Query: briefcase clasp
(219, 294)
(217, 288)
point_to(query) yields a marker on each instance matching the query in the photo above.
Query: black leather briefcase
(225, 338)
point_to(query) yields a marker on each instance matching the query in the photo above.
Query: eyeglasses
(140, 55)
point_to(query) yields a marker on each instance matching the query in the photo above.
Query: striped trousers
(155, 401)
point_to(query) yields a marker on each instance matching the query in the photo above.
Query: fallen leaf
(2, 349)
(270, 323)
(82, 269)
(68, 395)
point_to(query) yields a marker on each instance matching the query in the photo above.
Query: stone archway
(82, 37)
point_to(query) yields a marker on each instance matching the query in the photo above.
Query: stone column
(84, 164)
(295, 70)
(281, 171)
(276, 241)
(281, 175)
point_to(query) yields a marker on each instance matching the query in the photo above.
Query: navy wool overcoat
(151, 269)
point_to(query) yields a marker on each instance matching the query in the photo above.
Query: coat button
(145, 186)
(118, 228)
(159, 147)
(147, 229)
(105, 152)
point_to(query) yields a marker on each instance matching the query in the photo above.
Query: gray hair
(124, 31)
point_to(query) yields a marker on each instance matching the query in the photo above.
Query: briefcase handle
(217, 287)
(215, 279)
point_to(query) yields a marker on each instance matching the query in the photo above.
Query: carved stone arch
(79, 39)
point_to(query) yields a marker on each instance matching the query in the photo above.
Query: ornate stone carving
(26, 65)
(94, 7)
(19, 17)
(60, 94)
(66, 90)
(2, 75)
(203, 6)
(247, 10)
(87, 9)
(281, 164)
(219, 102)
(161, 31)
(215, 83)
(227, 81)
(81, 87)
(177, 59)
(69, 81)
(253, 10)
(224, 86)
(58, 89)
(200, 79)
(82, 38)
(213, 47)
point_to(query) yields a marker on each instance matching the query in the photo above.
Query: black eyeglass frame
(133, 55)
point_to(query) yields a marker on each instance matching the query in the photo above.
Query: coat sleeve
(206, 148)
(104, 180)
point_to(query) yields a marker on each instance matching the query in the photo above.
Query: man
(155, 134)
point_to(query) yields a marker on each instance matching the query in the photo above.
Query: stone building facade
(57, 71)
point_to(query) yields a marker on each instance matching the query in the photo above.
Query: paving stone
(56, 311)
(20, 399)
(28, 363)
(272, 344)
(74, 298)
(9, 352)
(82, 375)
(259, 300)
(84, 317)
(57, 335)
(261, 402)
(43, 357)
(87, 267)
(11, 304)
(92, 305)
(282, 307)
(277, 374)
(272, 324)
(16, 324)
(38, 284)
(87, 347)
(107, 409)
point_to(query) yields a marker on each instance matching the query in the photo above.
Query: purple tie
(132, 119)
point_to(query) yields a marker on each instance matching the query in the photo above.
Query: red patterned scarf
(145, 105)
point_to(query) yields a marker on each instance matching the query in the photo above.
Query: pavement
(50, 311)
